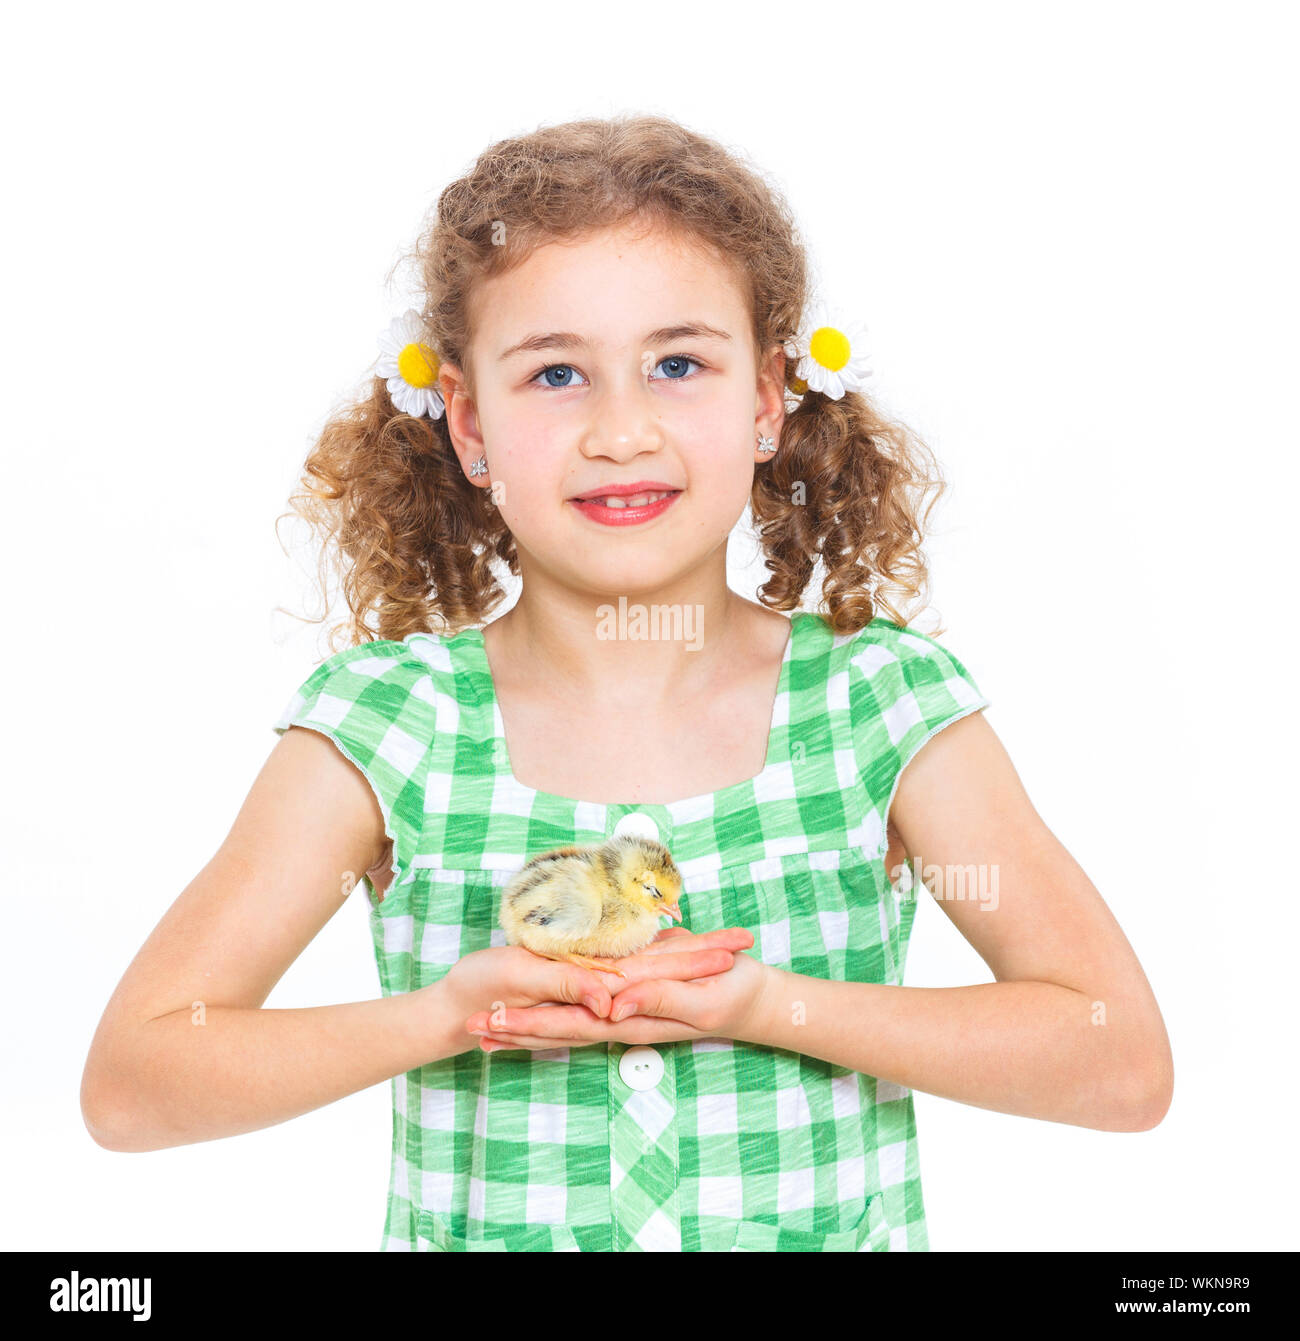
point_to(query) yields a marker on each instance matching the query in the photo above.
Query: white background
(1071, 232)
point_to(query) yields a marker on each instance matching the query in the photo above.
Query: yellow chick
(580, 904)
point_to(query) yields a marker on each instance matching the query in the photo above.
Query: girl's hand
(663, 1007)
(510, 977)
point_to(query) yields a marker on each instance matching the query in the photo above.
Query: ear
(462, 422)
(770, 396)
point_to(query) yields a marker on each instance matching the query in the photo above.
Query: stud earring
(765, 444)
(479, 467)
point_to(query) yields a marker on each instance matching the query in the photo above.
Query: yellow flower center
(829, 347)
(798, 385)
(418, 365)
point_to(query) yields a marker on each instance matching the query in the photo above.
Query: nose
(623, 424)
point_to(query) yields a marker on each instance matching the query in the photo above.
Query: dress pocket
(436, 1237)
(870, 1233)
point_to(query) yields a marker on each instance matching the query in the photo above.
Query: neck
(620, 650)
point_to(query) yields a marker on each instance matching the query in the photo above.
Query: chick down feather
(600, 901)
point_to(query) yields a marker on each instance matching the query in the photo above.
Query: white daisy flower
(410, 367)
(832, 355)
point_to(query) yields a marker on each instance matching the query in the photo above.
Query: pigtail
(848, 486)
(409, 536)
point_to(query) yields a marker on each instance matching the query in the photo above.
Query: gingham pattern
(737, 1147)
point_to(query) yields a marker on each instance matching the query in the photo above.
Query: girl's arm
(165, 1071)
(1069, 1032)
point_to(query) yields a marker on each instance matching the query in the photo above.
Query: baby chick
(581, 903)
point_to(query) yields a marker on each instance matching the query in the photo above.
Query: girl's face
(609, 391)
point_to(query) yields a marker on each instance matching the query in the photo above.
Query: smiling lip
(624, 490)
(623, 514)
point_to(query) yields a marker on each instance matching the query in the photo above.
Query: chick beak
(672, 910)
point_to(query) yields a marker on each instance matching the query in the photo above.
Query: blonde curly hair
(414, 541)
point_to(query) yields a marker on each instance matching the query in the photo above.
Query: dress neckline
(472, 642)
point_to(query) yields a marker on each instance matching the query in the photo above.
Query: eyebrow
(687, 330)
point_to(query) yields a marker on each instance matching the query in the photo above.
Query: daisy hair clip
(410, 367)
(831, 354)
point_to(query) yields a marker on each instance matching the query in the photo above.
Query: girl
(615, 355)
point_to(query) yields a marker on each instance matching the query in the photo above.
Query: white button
(638, 824)
(642, 1068)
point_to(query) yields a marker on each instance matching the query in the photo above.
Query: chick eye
(566, 370)
(678, 361)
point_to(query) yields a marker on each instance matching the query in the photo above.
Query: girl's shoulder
(384, 667)
(376, 697)
(901, 654)
(902, 687)
(883, 640)
(358, 670)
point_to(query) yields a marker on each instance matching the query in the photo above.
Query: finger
(636, 1029)
(541, 1022)
(558, 981)
(722, 936)
(505, 1042)
(662, 998)
(729, 938)
(681, 964)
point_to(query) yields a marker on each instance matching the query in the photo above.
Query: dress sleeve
(375, 701)
(904, 687)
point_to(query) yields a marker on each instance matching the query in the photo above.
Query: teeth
(633, 501)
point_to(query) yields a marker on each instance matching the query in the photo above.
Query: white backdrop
(1071, 232)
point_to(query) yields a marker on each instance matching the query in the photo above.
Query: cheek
(527, 464)
(719, 461)
(717, 415)
(717, 433)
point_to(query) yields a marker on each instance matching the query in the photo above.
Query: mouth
(626, 509)
(627, 500)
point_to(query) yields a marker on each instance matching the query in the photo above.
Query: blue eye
(558, 368)
(680, 360)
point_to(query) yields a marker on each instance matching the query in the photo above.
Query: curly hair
(414, 540)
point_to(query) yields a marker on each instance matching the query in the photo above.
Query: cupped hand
(510, 977)
(672, 992)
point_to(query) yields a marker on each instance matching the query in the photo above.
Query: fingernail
(492, 1047)
(479, 1032)
(623, 1012)
(592, 1005)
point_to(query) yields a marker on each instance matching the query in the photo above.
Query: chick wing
(553, 901)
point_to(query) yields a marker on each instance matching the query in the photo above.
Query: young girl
(618, 310)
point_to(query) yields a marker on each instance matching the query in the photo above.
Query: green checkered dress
(702, 1145)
